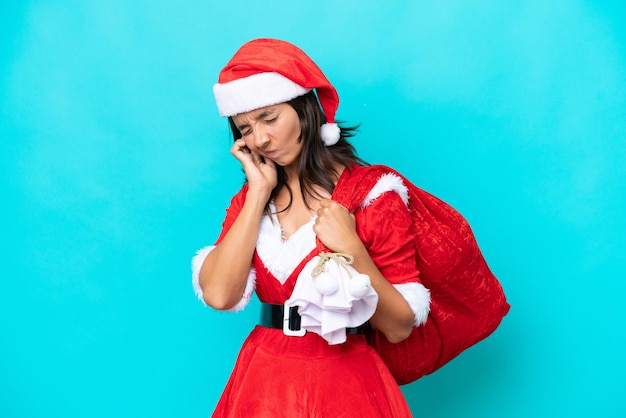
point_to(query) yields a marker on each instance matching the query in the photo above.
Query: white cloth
(329, 311)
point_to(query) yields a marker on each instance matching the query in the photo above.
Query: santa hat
(265, 72)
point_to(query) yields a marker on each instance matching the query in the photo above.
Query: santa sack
(467, 301)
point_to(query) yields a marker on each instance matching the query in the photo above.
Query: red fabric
(467, 301)
(236, 203)
(280, 376)
(272, 55)
(386, 228)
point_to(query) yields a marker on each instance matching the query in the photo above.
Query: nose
(261, 138)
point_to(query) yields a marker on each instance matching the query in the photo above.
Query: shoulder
(366, 184)
(383, 200)
(385, 183)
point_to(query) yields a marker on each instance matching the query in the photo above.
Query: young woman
(306, 360)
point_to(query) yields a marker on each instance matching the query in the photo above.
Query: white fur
(330, 133)
(415, 294)
(386, 183)
(196, 265)
(255, 91)
(282, 257)
(418, 298)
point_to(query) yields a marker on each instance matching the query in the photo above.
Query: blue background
(115, 168)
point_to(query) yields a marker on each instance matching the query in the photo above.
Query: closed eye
(244, 129)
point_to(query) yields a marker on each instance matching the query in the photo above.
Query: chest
(292, 212)
(278, 261)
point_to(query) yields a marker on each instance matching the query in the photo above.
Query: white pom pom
(330, 133)
(326, 284)
(359, 285)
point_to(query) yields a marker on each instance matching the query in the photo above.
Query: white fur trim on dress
(418, 298)
(386, 183)
(255, 91)
(281, 257)
(196, 265)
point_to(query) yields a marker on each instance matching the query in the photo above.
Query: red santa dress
(276, 375)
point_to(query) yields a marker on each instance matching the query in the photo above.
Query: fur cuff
(387, 183)
(418, 298)
(196, 265)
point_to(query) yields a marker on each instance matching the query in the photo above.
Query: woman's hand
(261, 173)
(336, 228)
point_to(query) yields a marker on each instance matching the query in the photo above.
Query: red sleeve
(236, 203)
(386, 228)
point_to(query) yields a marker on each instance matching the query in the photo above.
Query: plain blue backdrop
(115, 169)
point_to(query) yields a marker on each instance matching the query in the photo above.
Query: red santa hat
(265, 72)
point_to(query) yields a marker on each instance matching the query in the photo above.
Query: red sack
(467, 301)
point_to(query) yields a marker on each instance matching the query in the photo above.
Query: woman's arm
(393, 316)
(336, 228)
(224, 272)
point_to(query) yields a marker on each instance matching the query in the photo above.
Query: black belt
(273, 316)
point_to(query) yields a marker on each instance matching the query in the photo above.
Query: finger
(332, 205)
(239, 149)
(256, 157)
(243, 157)
(270, 163)
(240, 145)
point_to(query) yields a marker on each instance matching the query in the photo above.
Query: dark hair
(317, 162)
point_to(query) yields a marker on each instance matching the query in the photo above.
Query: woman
(281, 109)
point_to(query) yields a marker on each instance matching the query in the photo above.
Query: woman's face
(272, 132)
